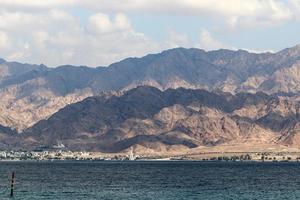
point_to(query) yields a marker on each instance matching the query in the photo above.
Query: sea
(147, 180)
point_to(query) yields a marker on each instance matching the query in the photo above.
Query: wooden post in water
(12, 184)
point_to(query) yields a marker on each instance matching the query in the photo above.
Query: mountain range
(179, 97)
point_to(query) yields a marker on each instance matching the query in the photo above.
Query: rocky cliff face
(151, 118)
(31, 93)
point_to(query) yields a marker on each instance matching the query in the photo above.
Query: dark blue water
(151, 180)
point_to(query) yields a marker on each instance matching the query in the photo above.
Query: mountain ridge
(147, 116)
(33, 93)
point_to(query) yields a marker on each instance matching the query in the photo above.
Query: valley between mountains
(178, 100)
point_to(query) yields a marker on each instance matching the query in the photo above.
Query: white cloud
(4, 40)
(56, 37)
(267, 13)
(101, 23)
(207, 42)
(52, 32)
(177, 40)
(38, 4)
(260, 50)
(237, 13)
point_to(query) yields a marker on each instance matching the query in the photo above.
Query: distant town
(57, 155)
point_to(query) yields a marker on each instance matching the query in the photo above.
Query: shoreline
(141, 161)
(201, 156)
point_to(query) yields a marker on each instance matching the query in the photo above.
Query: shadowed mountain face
(148, 117)
(31, 93)
(172, 68)
(6, 130)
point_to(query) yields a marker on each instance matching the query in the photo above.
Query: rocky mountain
(31, 93)
(183, 118)
(10, 70)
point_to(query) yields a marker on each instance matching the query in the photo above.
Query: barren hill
(155, 119)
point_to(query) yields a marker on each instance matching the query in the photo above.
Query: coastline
(51, 156)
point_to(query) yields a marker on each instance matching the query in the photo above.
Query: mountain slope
(30, 93)
(158, 120)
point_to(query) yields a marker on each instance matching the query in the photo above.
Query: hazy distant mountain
(30, 93)
(149, 118)
(14, 69)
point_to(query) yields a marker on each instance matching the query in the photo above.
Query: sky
(100, 32)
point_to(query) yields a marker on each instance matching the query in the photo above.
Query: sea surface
(151, 180)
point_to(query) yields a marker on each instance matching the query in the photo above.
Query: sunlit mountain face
(31, 94)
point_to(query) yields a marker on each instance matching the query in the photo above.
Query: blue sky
(260, 38)
(100, 32)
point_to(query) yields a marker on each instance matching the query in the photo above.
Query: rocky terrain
(235, 96)
(149, 118)
(30, 93)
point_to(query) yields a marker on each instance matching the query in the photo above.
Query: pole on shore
(12, 184)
